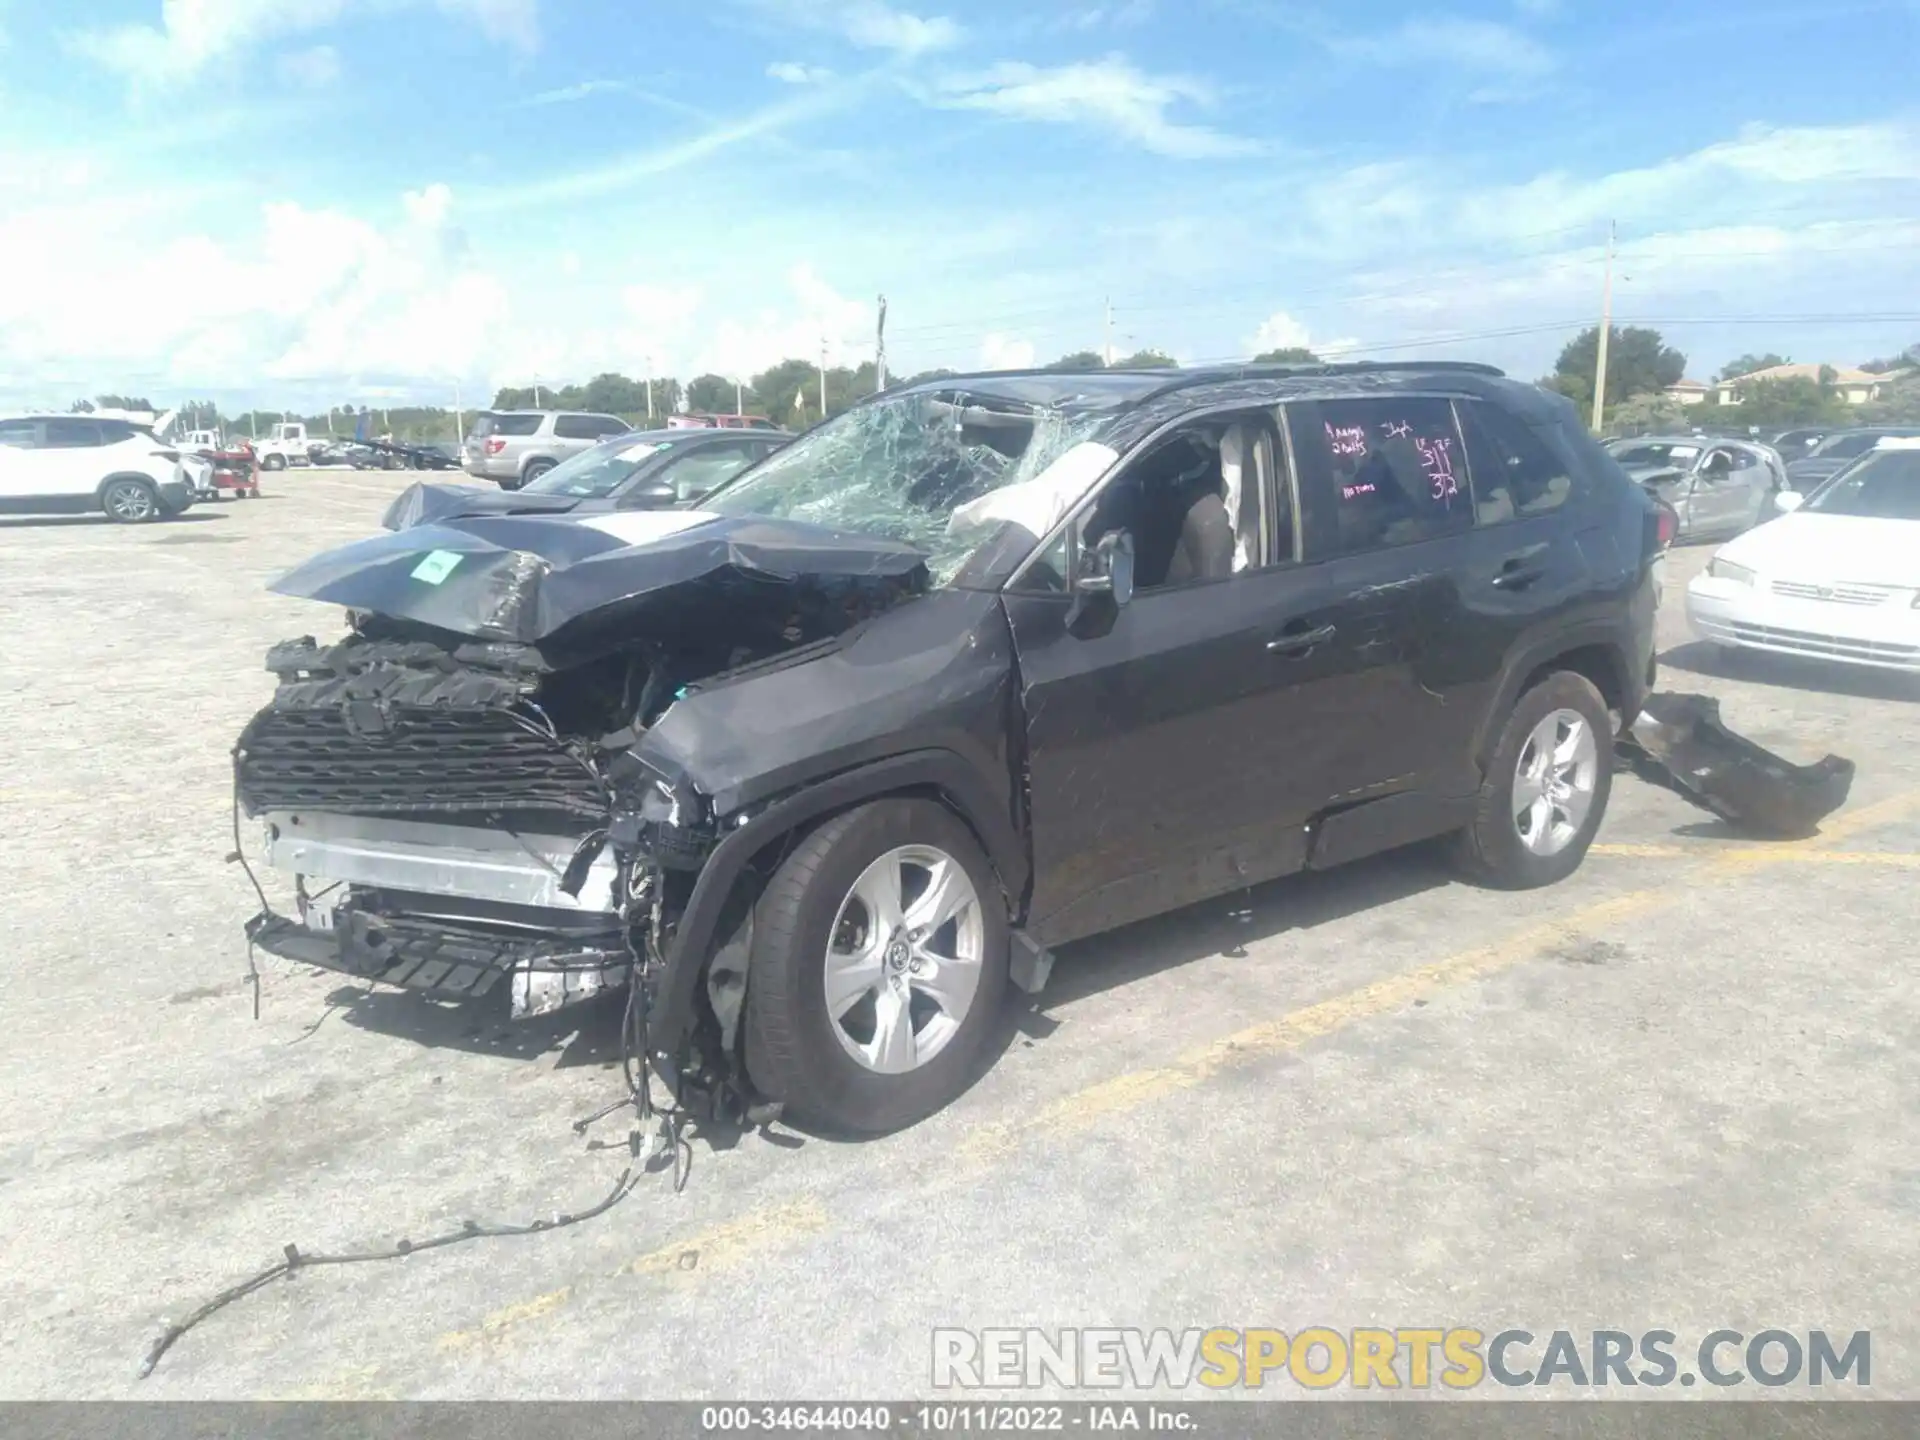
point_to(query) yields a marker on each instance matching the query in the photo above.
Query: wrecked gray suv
(984, 665)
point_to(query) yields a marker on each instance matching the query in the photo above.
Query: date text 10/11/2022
(1349, 444)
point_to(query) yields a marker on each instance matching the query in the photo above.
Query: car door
(70, 456)
(704, 467)
(19, 459)
(1178, 754)
(1717, 492)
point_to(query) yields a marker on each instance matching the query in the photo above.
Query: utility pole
(880, 350)
(1109, 350)
(536, 392)
(739, 404)
(649, 391)
(458, 427)
(1606, 330)
(823, 377)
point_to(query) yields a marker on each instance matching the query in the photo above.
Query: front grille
(438, 760)
(1835, 594)
(1839, 647)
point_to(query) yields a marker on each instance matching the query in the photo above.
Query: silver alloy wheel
(1553, 782)
(904, 958)
(130, 500)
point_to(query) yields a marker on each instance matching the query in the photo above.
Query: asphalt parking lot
(1678, 1091)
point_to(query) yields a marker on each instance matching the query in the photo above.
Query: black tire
(792, 1053)
(535, 469)
(1491, 851)
(274, 462)
(128, 501)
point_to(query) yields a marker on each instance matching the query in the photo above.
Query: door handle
(1517, 574)
(1295, 643)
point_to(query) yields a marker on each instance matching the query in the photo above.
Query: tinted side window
(610, 425)
(1387, 471)
(577, 427)
(1515, 471)
(1846, 447)
(705, 466)
(65, 434)
(112, 432)
(514, 425)
(20, 434)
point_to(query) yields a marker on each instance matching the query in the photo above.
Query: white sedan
(1837, 577)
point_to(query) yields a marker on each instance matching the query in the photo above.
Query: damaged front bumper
(452, 910)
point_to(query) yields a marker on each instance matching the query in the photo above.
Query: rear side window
(508, 425)
(1846, 447)
(588, 427)
(67, 434)
(112, 432)
(1388, 471)
(20, 434)
(1515, 471)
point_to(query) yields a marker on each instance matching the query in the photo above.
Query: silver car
(512, 447)
(1717, 487)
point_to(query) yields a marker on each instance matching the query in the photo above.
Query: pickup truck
(286, 444)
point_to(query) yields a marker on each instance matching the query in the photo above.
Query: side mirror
(660, 496)
(1788, 501)
(1104, 584)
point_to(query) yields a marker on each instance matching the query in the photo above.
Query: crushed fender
(1680, 743)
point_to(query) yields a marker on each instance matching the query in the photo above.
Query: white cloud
(1109, 95)
(315, 69)
(875, 26)
(1483, 46)
(194, 34)
(567, 94)
(1281, 331)
(816, 313)
(789, 72)
(1001, 352)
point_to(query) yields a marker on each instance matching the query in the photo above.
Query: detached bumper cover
(1884, 634)
(1680, 743)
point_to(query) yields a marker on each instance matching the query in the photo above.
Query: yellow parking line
(725, 1245)
(1817, 857)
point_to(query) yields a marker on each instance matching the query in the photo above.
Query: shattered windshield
(935, 470)
(1883, 487)
(594, 474)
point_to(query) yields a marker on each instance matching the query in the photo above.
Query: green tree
(1287, 355)
(1793, 401)
(1645, 415)
(1638, 361)
(1907, 357)
(925, 375)
(1747, 364)
(712, 394)
(613, 394)
(1079, 360)
(80, 407)
(1146, 360)
(1899, 403)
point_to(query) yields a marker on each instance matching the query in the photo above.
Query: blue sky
(287, 202)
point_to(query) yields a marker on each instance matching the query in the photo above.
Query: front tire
(131, 502)
(879, 964)
(1546, 788)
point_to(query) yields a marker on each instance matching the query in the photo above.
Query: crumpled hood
(426, 501)
(531, 578)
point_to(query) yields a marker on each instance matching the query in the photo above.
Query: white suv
(51, 464)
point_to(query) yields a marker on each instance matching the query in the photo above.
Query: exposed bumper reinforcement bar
(450, 961)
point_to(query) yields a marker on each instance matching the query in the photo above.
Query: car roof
(1119, 389)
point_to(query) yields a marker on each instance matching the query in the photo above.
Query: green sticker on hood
(437, 566)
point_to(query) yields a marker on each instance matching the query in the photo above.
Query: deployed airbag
(1679, 742)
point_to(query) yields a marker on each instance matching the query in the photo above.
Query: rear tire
(909, 1031)
(131, 502)
(535, 469)
(274, 462)
(1546, 788)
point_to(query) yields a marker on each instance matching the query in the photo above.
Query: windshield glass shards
(916, 468)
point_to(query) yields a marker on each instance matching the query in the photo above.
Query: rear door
(70, 462)
(1387, 516)
(19, 459)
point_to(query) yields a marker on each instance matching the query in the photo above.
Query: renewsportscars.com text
(1401, 1357)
